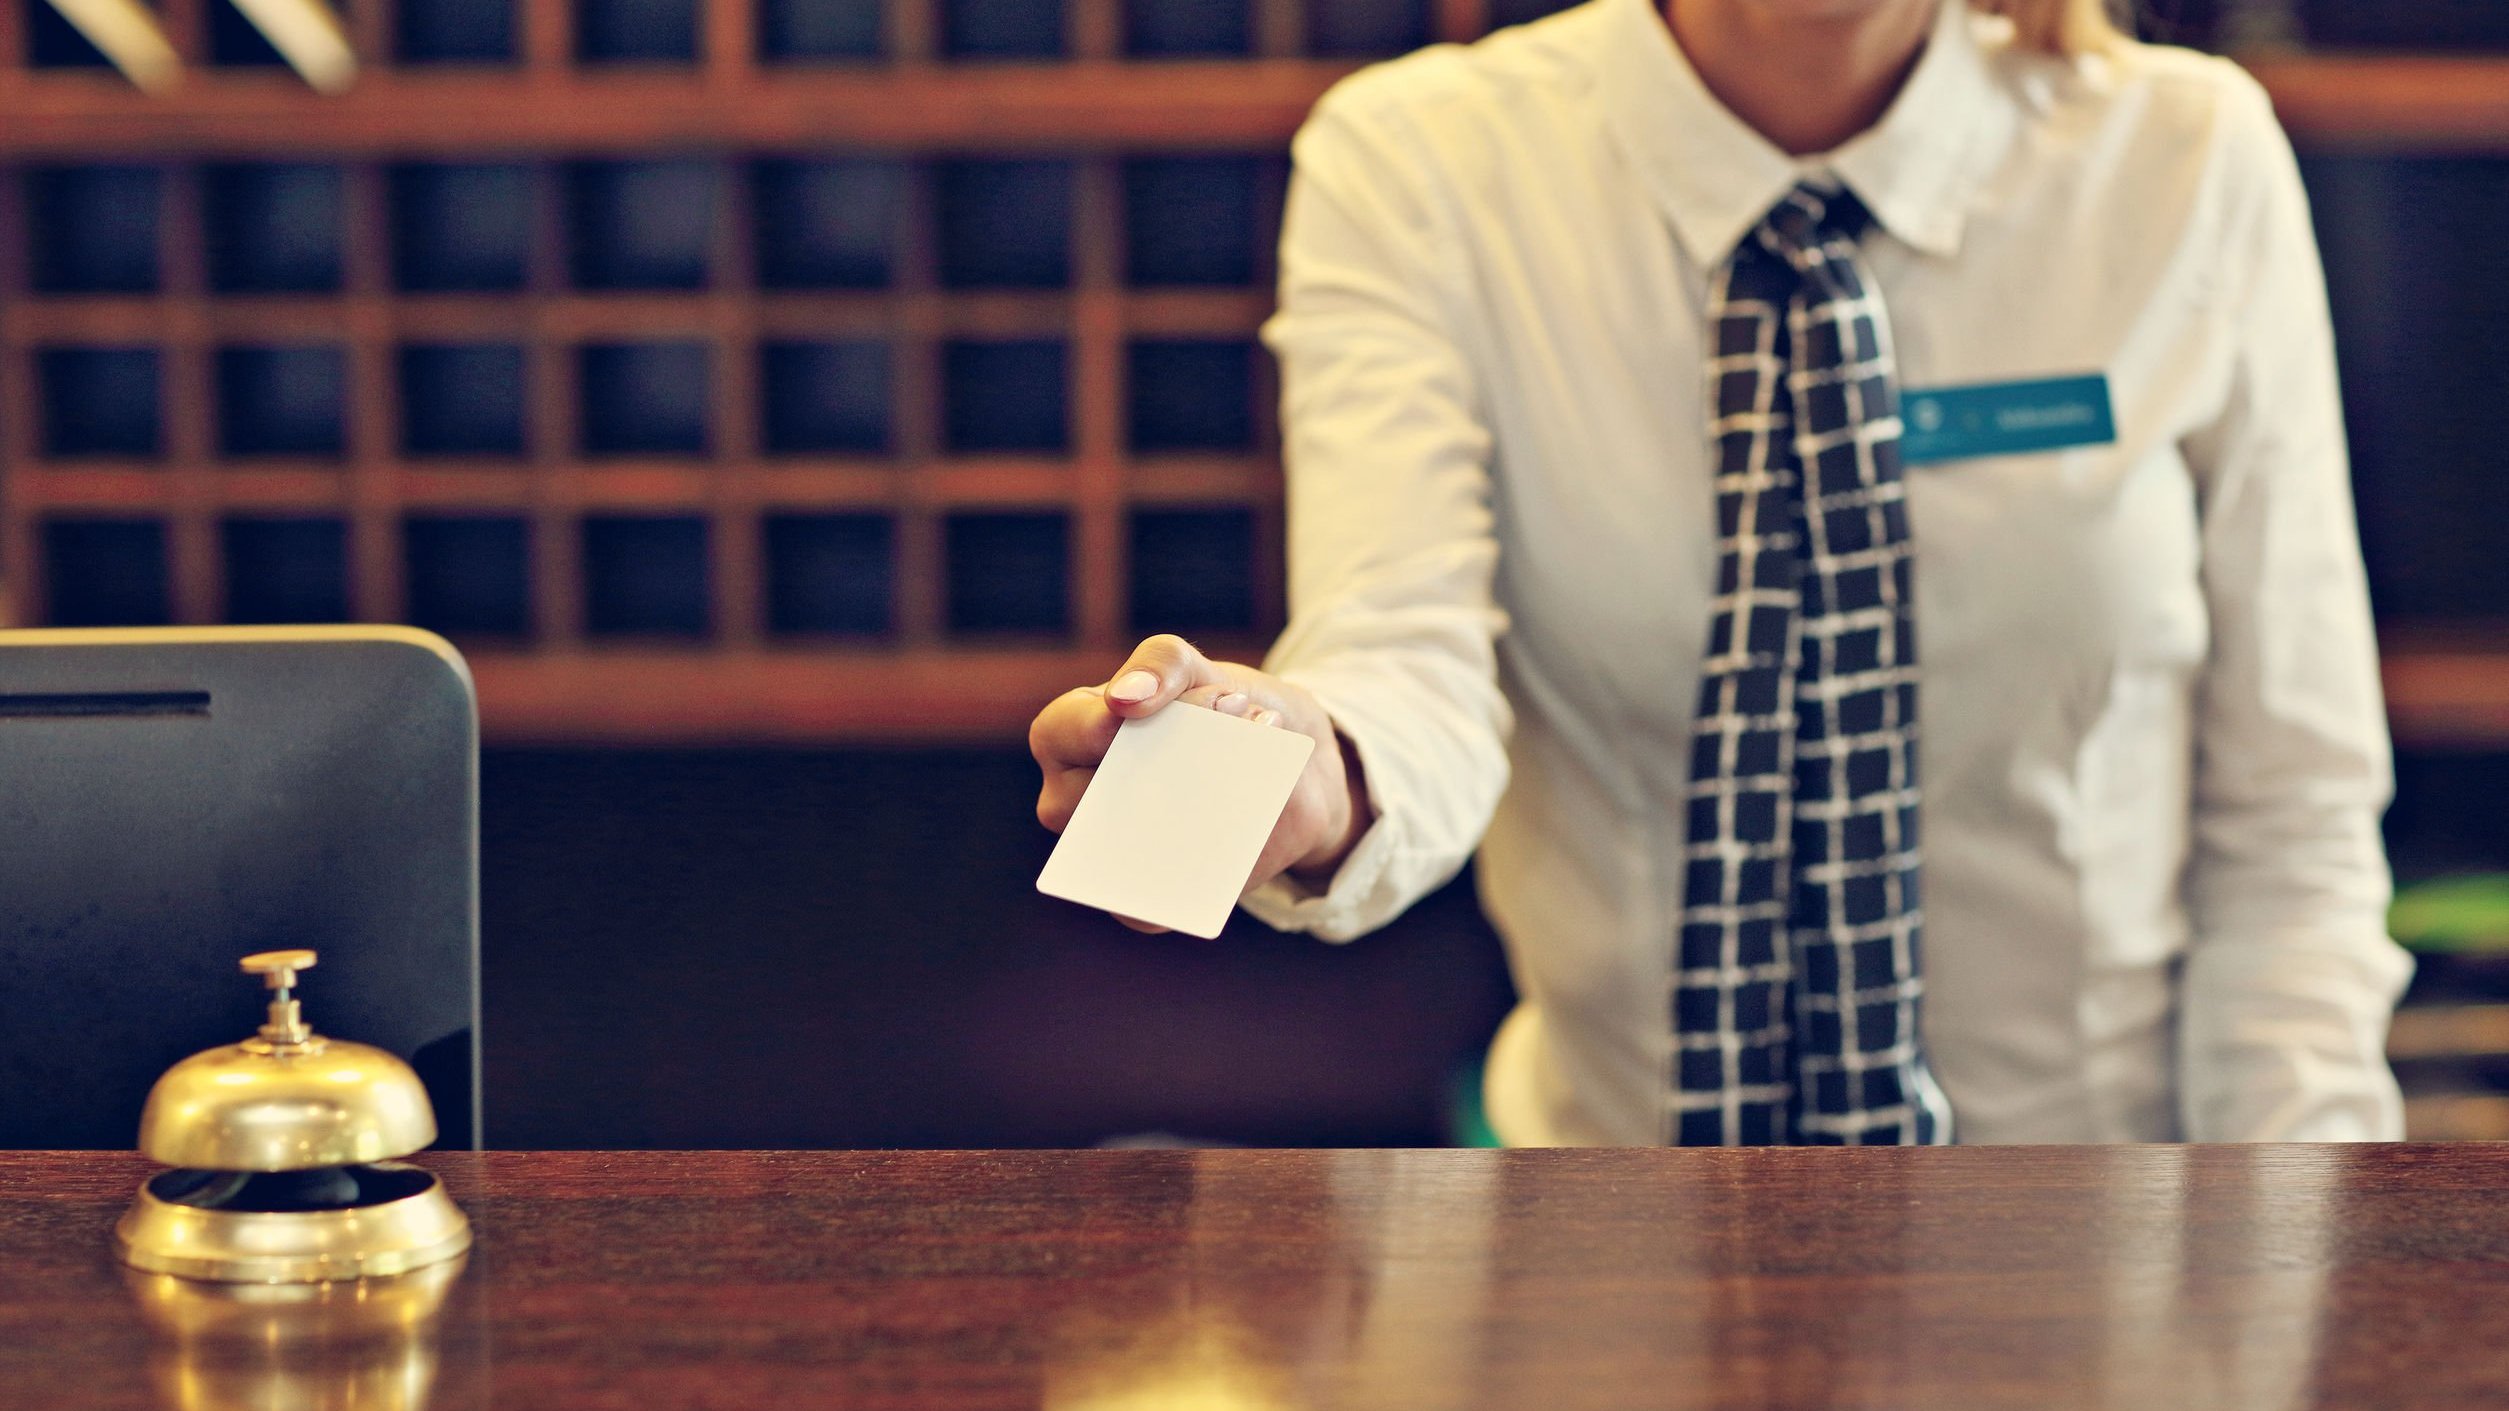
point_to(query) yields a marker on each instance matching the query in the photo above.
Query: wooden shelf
(1080, 106)
(2438, 699)
(2385, 102)
(983, 438)
(2448, 689)
(2447, 1033)
(124, 488)
(580, 317)
(2456, 1117)
(878, 399)
(660, 697)
(2391, 103)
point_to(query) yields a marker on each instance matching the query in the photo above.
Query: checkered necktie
(1797, 982)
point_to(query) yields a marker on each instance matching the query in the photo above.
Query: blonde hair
(2057, 26)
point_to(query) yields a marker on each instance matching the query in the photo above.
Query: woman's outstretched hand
(1327, 812)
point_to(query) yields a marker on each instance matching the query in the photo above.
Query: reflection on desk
(367, 1344)
(2049, 1277)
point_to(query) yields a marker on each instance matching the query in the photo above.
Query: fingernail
(1267, 717)
(1134, 686)
(1234, 703)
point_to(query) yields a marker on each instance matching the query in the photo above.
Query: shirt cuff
(1349, 906)
(2286, 1040)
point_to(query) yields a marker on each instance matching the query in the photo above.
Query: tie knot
(1809, 217)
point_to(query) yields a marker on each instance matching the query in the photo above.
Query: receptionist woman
(1843, 504)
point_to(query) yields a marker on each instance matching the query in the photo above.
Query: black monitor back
(172, 800)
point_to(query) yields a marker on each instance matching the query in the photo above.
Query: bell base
(294, 1246)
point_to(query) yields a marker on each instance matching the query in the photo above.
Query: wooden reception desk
(1968, 1278)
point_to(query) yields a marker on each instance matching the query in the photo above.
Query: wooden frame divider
(742, 682)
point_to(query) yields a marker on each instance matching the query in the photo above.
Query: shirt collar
(1918, 170)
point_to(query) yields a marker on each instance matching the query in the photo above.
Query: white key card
(1171, 824)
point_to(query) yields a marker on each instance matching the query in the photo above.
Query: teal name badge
(2004, 418)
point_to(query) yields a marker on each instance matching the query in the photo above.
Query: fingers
(1073, 730)
(1160, 669)
(1067, 739)
(1226, 697)
(1229, 697)
(1060, 795)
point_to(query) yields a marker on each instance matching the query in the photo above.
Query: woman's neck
(1805, 74)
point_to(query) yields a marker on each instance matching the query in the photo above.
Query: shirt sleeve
(2291, 976)
(1390, 534)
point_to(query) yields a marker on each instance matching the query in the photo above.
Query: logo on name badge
(2006, 418)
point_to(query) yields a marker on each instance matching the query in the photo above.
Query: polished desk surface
(2137, 1278)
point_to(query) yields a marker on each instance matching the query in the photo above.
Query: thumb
(1160, 669)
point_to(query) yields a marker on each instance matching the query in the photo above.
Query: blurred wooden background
(779, 399)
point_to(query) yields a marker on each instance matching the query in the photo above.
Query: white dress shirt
(2154, 749)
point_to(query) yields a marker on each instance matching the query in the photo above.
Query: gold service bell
(282, 1148)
